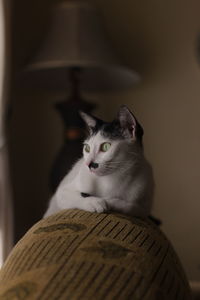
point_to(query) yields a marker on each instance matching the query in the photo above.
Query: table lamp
(76, 56)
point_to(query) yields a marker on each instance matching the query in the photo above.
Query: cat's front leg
(69, 199)
(95, 204)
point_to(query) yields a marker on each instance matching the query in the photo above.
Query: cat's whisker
(116, 162)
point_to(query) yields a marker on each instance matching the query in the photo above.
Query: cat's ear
(129, 124)
(89, 120)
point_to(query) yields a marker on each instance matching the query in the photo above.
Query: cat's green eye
(87, 148)
(105, 147)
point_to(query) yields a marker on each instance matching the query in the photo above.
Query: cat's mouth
(97, 172)
(102, 170)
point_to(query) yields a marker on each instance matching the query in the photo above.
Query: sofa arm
(81, 255)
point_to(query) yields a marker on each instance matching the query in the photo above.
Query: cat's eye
(87, 148)
(105, 147)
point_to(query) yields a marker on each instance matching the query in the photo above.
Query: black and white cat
(113, 174)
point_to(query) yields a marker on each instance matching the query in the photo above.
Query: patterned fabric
(80, 255)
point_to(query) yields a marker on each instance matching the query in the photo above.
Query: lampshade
(76, 38)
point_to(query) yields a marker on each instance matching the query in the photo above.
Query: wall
(158, 38)
(167, 103)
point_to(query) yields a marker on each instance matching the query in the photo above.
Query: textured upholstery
(80, 255)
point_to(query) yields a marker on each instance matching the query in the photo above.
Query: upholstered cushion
(80, 255)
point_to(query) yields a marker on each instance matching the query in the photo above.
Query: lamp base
(74, 134)
(69, 153)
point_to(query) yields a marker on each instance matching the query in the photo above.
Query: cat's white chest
(107, 187)
(86, 182)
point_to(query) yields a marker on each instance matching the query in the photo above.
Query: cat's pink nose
(93, 165)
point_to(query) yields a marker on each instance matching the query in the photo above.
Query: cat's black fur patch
(139, 132)
(110, 130)
(113, 130)
(85, 195)
(155, 220)
(97, 128)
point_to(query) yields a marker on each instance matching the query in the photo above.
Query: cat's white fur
(123, 182)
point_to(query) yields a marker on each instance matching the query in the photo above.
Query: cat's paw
(94, 204)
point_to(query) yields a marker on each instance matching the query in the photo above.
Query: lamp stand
(74, 127)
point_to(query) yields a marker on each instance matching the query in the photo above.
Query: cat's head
(112, 146)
